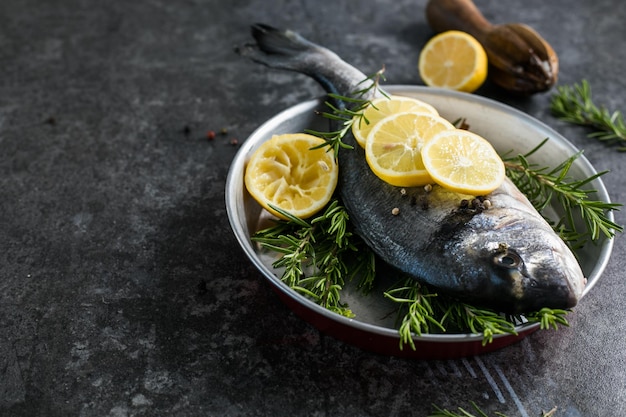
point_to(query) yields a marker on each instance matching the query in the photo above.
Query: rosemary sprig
(318, 255)
(543, 185)
(416, 311)
(421, 310)
(478, 320)
(348, 111)
(439, 412)
(574, 104)
(548, 318)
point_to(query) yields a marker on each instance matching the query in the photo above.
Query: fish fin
(283, 42)
(287, 50)
(281, 49)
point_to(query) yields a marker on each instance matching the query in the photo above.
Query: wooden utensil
(520, 60)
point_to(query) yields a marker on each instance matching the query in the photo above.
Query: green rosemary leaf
(333, 116)
(542, 186)
(439, 412)
(416, 311)
(294, 219)
(460, 412)
(536, 148)
(355, 99)
(269, 244)
(574, 104)
(305, 291)
(356, 102)
(549, 318)
(363, 266)
(319, 256)
(477, 320)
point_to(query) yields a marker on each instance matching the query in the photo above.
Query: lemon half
(454, 60)
(286, 173)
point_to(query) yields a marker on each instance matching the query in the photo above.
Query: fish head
(520, 264)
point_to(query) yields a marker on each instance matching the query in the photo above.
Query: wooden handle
(461, 15)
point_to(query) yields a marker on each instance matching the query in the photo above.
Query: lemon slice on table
(454, 60)
(464, 162)
(382, 107)
(393, 147)
(286, 173)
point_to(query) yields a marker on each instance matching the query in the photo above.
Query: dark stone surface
(122, 289)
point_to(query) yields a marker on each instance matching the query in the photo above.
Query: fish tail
(287, 50)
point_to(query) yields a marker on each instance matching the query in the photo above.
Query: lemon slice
(383, 107)
(393, 147)
(454, 60)
(286, 173)
(464, 162)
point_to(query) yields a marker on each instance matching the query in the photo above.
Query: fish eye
(507, 259)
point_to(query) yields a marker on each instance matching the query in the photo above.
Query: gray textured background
(122, 289)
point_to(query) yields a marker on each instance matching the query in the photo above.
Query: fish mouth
(523, 294)
(545, 288)
(560, 286)
(549, 293)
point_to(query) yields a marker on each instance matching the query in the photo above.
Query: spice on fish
(395, 211)
(479, 204)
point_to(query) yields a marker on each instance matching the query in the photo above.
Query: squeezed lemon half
(286, 173)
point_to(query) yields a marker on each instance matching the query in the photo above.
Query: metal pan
(373, 328)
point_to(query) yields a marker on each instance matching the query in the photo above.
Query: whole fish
(501, 254)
